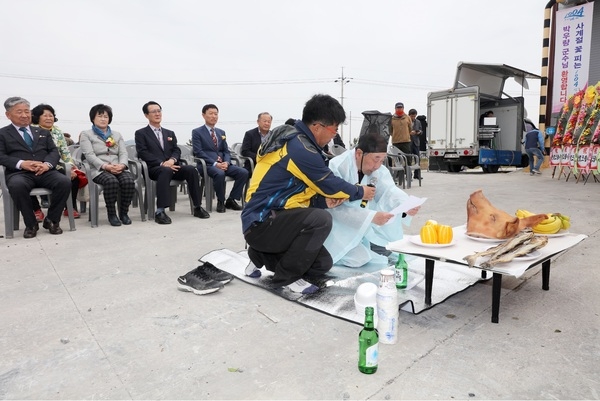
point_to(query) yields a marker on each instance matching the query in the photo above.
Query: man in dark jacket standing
(534, 146)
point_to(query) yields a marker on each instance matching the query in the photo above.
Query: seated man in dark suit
(30, 157)
(256, 136)
(210, 144)
(157, 146)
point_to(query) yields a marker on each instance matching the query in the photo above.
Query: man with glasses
(157, 146)
(360, 230)
(284, 221)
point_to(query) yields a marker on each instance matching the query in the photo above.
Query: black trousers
(240, 176)
(74, 190)
(163, 177)
(20, 185)
(405, 147)
(290, 244)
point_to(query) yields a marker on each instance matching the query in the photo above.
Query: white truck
(458, 135)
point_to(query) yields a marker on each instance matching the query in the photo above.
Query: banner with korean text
(572, 52)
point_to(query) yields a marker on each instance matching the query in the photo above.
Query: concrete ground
(96, 314)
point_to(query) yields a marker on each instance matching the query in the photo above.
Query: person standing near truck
(534, 146)
(401, 128)
(415, 135)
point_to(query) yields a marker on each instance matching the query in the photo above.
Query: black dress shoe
(124, 219)
(114, 220)
(220, 207)
(31, 232)
(162, 218)
(54, 228)
(201, 213)
(232, 204)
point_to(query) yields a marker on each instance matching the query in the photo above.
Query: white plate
(530, 255)
(561, 233)
(492, 240)
(416, 239)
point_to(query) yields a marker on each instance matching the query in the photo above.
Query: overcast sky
(253, 56)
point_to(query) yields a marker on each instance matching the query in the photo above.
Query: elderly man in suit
(30, 157)
(210, 144)
(255, 137)
(157, 146)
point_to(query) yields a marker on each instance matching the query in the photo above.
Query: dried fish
(502, 248)
(521, 250)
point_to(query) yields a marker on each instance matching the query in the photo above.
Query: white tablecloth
(464, 246)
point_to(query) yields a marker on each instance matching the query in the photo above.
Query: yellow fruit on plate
(444, 234)
(429, 234)
(551, 225)
(564, 220)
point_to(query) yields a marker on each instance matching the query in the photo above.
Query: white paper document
(410, 203)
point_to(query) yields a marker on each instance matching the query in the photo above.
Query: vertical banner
(572, 42)
(583, 159)
(565, 156)
(555, 155)
(594, 158)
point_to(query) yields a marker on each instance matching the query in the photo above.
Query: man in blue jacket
(534, 146)
(210, 143)
(284, 221)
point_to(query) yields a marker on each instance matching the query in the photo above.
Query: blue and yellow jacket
(292, 174)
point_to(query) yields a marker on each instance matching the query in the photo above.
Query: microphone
(371, 183)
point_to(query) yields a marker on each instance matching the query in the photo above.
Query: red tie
(214, 137)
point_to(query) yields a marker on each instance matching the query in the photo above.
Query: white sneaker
(302, 287)
(252, 271)
(537, 171)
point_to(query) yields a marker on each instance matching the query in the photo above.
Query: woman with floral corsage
(106, 153)
(44, 116)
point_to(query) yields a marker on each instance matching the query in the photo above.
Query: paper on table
(410, 203)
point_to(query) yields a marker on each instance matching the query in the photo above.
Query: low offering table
(463, 245)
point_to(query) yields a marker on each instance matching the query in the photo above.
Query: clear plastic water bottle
(387, 308)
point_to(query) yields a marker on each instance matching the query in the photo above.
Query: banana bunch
(553, 223)
(522, 213)
(565, 221)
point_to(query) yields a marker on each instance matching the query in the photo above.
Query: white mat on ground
(337, 298)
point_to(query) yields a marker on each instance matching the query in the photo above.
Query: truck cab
(459, 135)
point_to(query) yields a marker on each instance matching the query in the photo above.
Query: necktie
(214, 137)
(28, 139)
(159, 137)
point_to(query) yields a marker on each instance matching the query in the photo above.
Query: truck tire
(454, 168)
(490, 168)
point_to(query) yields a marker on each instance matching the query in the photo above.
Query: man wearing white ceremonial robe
(355, 228)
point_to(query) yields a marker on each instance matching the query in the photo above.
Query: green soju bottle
(401, 272)
(368, 345)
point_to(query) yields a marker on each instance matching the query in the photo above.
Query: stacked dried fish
(520, 245)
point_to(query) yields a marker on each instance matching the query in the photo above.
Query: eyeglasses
(157, 111)
(328, 128)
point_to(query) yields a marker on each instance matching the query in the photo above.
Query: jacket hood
(278, 137)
